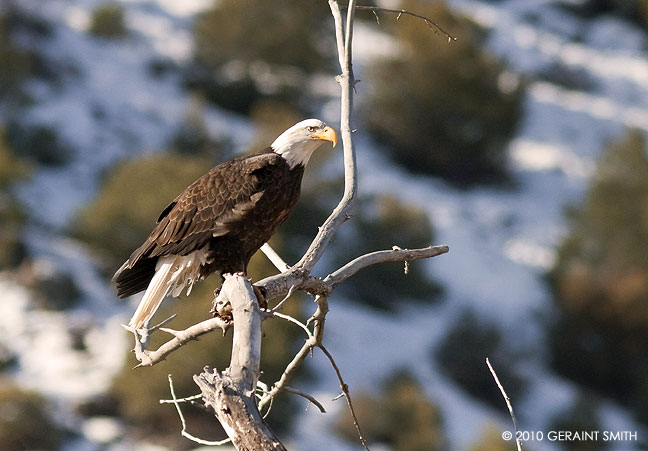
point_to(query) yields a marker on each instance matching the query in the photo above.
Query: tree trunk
(231, 392)
(237, 412)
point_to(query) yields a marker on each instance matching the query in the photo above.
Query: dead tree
(234, 393)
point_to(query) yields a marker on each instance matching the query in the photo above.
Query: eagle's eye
(310, 129)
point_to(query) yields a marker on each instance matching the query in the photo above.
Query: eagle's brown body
(220, 220)
(231, 211)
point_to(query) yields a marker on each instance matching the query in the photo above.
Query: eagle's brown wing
(212, 206)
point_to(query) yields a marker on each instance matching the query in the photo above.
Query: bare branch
(314, 339)
(246, 346)
(282, 284)
(290, 370)
(175, 401)
(231, 393)
(339, 31)
(346, 80)
(396, 254)
(376, 16)
(143, 335)
(185, 399)
(294, 321)
(347, 70)
(508, 404)
(343, 210)
(276, 260)
(345, 391)
(180, 338)
(319, 317)
(430, 23)
(307, 396)
(281, 303)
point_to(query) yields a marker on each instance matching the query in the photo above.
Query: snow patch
(528, 155)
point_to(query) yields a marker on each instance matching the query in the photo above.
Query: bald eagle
(220, 220)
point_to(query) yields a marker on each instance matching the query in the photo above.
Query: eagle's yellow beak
(327, 134)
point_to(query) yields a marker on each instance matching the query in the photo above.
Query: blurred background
(522, 146)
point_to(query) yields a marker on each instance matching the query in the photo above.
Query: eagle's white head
(298, 143)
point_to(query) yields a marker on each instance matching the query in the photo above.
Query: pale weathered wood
(280, 285)
(230, 393)
(237, 412)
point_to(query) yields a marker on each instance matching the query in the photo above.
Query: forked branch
(231, 393)
(346, 80)
(180, 338)
(282, 285)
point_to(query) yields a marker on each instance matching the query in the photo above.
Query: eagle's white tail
(172, 274)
